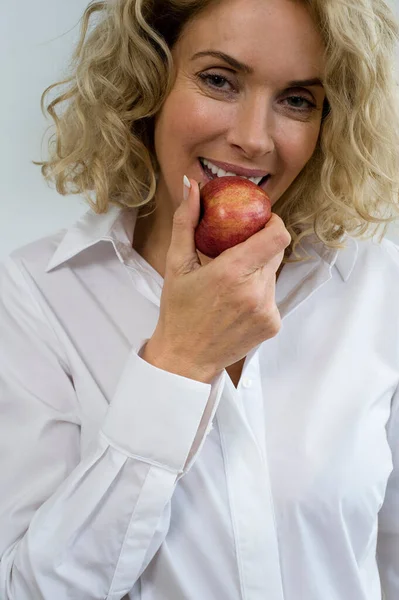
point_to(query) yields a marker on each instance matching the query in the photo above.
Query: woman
(175, 427)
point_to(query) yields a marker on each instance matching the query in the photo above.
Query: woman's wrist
(163, 358)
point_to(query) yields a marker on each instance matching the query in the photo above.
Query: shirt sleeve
(84, 528)
(388, 529)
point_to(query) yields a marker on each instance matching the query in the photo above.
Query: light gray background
(36, 40)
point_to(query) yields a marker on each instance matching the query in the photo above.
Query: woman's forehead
(267, 35)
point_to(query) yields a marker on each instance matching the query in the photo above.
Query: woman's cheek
(206, 117)
(296, 143)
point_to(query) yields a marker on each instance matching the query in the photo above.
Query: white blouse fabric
(121, 479)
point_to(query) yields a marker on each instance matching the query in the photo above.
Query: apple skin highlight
(232, 209)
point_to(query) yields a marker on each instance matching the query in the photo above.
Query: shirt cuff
(155, 415)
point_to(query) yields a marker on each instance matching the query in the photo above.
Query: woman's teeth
(221, 173)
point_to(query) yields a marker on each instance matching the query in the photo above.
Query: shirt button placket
(247, 382)
(248, 480)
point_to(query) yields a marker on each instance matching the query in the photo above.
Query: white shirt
(119, 478)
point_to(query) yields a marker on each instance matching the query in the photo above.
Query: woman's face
(247, 92)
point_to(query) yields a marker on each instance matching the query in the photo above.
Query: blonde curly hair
(122, 71)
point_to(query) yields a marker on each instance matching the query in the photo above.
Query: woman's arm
(84, 527)
(388, 530)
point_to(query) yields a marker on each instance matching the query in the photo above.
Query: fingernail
(186, 187)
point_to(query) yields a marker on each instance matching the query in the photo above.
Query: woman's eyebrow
(239, 66)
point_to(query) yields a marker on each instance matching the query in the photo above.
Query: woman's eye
(216, 81)
(301, 103)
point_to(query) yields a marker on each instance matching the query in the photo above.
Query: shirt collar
(344, 259)
(117, 226)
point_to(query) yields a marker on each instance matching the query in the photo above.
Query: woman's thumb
(185, 221)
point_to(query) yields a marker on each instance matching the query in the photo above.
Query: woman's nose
(251, 130)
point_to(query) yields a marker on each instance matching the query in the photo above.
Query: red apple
(232, 209)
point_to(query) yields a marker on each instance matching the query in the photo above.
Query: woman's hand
(211, 316)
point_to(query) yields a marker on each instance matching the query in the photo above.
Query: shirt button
(247, 382)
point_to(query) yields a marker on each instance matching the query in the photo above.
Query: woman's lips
(208, 176)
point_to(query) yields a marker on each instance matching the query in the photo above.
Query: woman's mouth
(209, 174)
